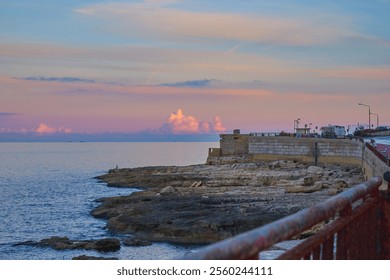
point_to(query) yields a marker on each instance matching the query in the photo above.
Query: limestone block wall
(234, 144)
(342, 151)
(311, 150)
(274, 148)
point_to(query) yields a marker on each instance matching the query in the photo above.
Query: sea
(49, 189)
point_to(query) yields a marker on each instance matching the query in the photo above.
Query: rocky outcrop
(210, 202)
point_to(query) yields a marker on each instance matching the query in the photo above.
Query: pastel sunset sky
(171, 67)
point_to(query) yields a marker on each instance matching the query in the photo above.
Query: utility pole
(369, 114)
(377, 119)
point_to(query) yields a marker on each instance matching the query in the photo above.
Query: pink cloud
(179, 123)
(218, 126)
(205, 126)
(182, 123)
(44, 128)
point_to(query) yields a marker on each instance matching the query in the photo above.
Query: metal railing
(352, 230)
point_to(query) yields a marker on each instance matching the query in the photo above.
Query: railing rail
(351, 236)
(351, 211)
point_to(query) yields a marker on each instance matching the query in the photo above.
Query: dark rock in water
(64, 243)
(58, 243)
(107, 245)
(135, 241)
(25, 243)
(85, 257)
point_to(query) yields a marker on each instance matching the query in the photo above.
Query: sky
(191, 67)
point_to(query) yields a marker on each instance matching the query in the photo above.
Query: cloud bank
(159, 19)
(44, 128)
(179, 123)
(192, 84)
(59, 79)
(7, 114)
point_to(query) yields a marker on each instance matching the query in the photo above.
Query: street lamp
(369, 114)
(377, 119)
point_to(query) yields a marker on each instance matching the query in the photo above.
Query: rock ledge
(206, 203)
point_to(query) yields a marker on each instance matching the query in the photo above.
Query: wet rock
(58, 243)
(136, 241)
(86, 257)
(107, 245)
(64, 243)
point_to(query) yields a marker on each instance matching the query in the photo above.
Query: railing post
(385, 220)
(343, 237)
(386, 177)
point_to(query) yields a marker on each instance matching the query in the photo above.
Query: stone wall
(234, 144)
(311, 150)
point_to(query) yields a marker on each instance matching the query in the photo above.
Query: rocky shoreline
(204, 203)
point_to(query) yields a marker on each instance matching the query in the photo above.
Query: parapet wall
(310, 150)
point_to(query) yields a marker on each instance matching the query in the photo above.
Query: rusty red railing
(354, 230)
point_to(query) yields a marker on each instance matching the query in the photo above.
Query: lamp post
(377, 119)
(369, 114)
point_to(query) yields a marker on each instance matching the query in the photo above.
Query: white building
(333, 131)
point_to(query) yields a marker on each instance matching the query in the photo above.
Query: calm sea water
(48, 189)
(383, 140)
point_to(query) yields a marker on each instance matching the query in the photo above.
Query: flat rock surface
(206, 203)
